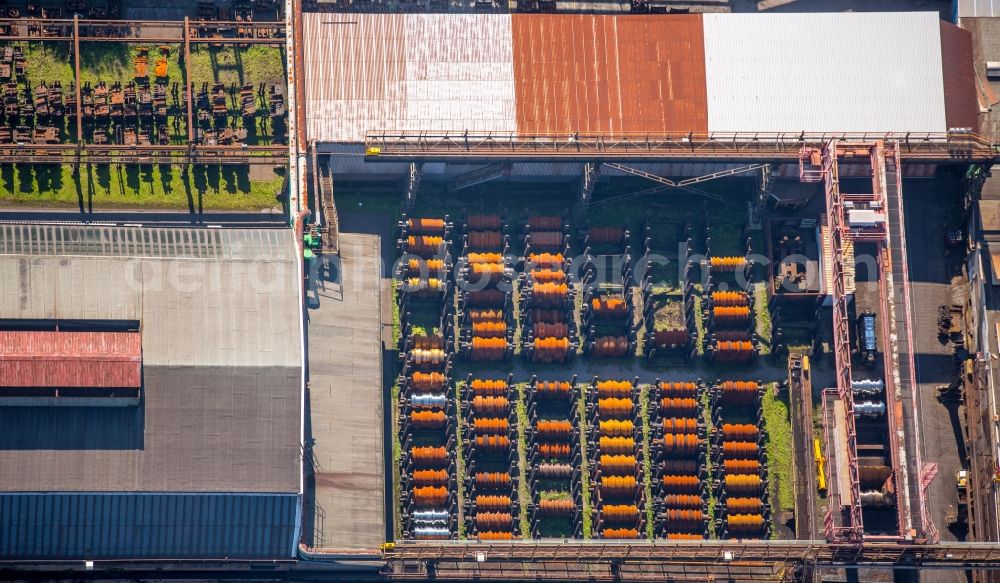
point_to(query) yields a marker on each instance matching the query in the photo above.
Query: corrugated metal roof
(609, 74)
(147, 526)
(407, 72)
(960, 102)
(70, 359)
(978, 8)
(824, 72)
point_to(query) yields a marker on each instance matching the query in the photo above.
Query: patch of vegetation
(587, 518)
(777, 423)
(107, 186)
(647, 469)
(459, 458)
(706, 417)
(763, 318)
(397, 446)
(523, 492)
(699, 321)
(229, 64)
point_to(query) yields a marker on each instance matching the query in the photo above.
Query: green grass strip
(459, 457)
(397, 446)
(523, 493)
(647, 480)
(763, 317)
(587, 519)
(706, 416)
(777, 423)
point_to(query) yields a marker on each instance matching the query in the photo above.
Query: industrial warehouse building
(636, 75)
(150, 393)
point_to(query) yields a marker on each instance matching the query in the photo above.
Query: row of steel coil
(615, 432)
(729, 310)
(554, 459)
(483, 279)
(679, 448)
(547, 309)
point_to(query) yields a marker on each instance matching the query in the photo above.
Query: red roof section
(71, 359)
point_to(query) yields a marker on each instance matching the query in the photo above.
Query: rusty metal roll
(434, 496)
(672, 338)
(425, 226)
(497, 406)
(680, 425)
(683, 407)
(730, 298)
(727, 264)
(620, 533)
(484, 258)
(539, 316)
(678, 390)
(484, 222)
(616, 445)
(548, 276)
(427, 419)
(421, 356)
(480, 272)
(486, 349)
(743, 484)
(427, 381)
(544, 330)
(734, 352)
(548, 294)
(552, 389)
(674, 517)
(554, 450)
(547, 471)
(418, 266)
(424, 245)
(680, 467)
(617, 389)
(684, 536)
(606, 235)
(493, 443)
(617, 465)
(681, 484)
(492, 481)
(617, 428)
(494, 521)
(485, 315)
(745, 523)
(730, 314)
(746, 450)
(553, 429)
(547, 240)
(615, 486)
(546, 260)
(492, 535)
(490, 329)
(429, 457)
(550, 349)
(490, 425)
(486, 298)
(741, 466)
(738, 392)
(427, 342)
(492, 502)
(554, 508)
(732, 336)
(739, 432)
(682, 501)
(610, 347)
(620, 513)
(544, 222)
(429, 477)
(737, 505)
(609, 307)
(489, 387)
(485, 239)
(611, 408)
(684, 444)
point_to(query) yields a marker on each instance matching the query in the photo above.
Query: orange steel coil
(485, 315)
(550, 222)
(490, 425)
(610, 346)
(546, 260)
(483, 405)
(680, 425)
(427, 419)
(617, 465)
(727, 263)
(547, 316)
(730, 298)
(599, 235)
(543, 330)
(744, 506)
(481, 271)
(425, 225)
(616, 428)
(684, 536)
(554, 450)
(618, 486)
(683, 516)
(474, 258)
(484, 222)
(561, 507)
(616, 445)
(745, 522)
(548, 471)
(485, 239)
(492, 480)
(738, 392)
(681, 484)
(732, 335)
(738, 351)
(551, 349)
(741, 466)
(546, 239)
(423, 245)
(620, 533)
(682, 501)
(615, 407)
(678, 390)
(486, 298)
(430, 496)
(552, 429)
(495, 521)
(490, 535)
(488, 348)
(618, 389)
(493, 443)
(427, 381)
(549, 292)
(606, 307)
(548, 276)
(743, 484)
(680, 444)
(620, 512)
(670, 338)
(429, 477)
(492, 503)
(739, 432)
(730, 314)
(416, 266)
(427, 356)
(423, 342)
(552, 389)
(489, 329)
(684, 406)
(489, 387)
(680, 467)
(746, 450)
(429, 456)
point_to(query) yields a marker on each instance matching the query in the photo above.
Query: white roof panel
(833, 72)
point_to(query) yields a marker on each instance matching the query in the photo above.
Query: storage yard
(552, 297)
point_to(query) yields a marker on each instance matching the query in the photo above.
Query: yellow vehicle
(820, 463)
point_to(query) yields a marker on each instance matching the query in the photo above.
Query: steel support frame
(148, 31)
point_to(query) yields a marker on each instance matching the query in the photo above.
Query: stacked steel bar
(618, 495)
(484, 287)
(426, 409)
(729, 310)
(491, 504)
(670, 339)
(679, 450)
(547, 291)
(606, 318)
(554, 459)
(740, 460)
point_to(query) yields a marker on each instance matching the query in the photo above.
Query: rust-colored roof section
(961, 106)
(71, 359)
(609, 74)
